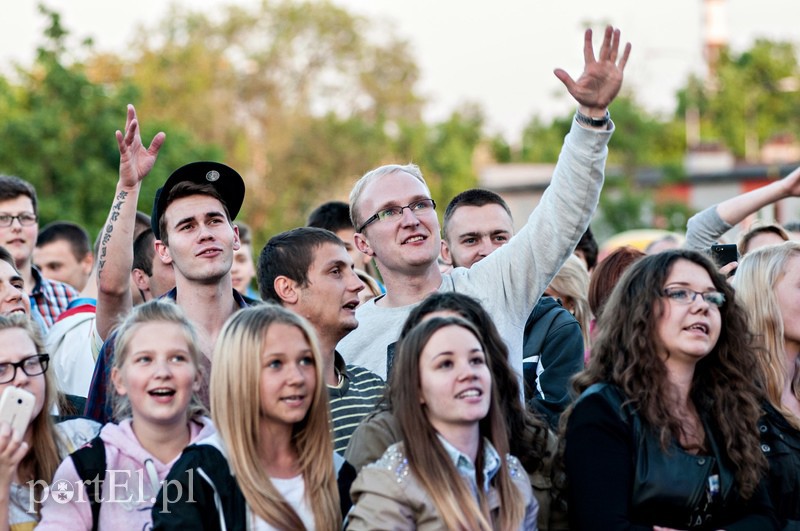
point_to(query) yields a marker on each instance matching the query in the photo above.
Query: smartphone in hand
(724, 254)
(16, 408)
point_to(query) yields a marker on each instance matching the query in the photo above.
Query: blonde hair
(756, 278)
(236, 411)
(154, 311)
(373, 175)
(43, 457)
(572, 282)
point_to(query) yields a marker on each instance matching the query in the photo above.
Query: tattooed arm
(115, 256)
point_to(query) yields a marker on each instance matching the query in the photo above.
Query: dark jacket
(620, 478)
(201, 493)
(780, 443)
(552, 354)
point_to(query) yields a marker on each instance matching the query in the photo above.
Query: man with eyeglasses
(396, 223)
(19, 227)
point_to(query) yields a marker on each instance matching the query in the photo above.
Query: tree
(298, 98)
(753, 97)
(57, 132)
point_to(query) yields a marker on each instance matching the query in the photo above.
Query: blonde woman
(452, 469)
(156, 374)
(271, 465)
(571, 287)
(768, 284)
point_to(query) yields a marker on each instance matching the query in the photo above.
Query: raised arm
(705, 228)
(601, 79)
(115, 256)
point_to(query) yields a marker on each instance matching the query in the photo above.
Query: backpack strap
(90, 463)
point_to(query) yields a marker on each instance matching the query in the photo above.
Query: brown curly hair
(626, 354)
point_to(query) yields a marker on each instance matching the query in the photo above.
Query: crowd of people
(389, 373)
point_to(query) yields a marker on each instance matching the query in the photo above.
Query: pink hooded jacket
(133, 478)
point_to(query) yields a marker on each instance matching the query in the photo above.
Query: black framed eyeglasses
(396, 212)
(687, 296)
(26, 219)
(32, 366)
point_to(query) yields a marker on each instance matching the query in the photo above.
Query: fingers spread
(156, 144)
(588, 48)
(565, 78)
(612, 55)
(625, 54)
(606, 46)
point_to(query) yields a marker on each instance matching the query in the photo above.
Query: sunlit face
(688, 332)
(158, 374)
(455, 382)
(57, 262)
(407, 245)
(243, 270)
(13, 298)
(330, 298)
(201, 239)
(474, 232)
(787, 290)
(19, 240)
(15, 346)
(288, 378)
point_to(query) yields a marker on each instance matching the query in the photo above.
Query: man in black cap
(193, 225)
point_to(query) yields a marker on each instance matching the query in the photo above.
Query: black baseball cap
(227, 182)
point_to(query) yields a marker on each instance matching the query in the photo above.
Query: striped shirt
(356, 397)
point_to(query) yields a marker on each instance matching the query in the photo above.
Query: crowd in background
(375, 370)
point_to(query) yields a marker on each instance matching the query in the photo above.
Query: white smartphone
(16, 408)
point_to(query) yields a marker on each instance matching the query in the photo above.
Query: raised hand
(791, 183)
(136, 161)
(601, 79)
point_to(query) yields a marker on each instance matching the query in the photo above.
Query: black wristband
(592, 122)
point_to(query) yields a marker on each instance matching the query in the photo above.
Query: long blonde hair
(756, 278)
(155, 311)
(572, 282)
(236, 410)
(427, 457)
(43, 457)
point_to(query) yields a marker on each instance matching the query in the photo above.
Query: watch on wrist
(592, 122)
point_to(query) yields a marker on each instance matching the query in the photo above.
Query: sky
(500, 54)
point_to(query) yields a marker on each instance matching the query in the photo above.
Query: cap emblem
(212, 176)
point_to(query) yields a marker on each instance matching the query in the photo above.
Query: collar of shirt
(240, 302)
(465, 466)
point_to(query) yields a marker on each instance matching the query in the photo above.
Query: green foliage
(621, 208)
(57, 132)
(302, 99)
(755, 96)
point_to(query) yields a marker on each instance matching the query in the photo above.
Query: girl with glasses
(28, 461)
(156, 375)
(664, 433)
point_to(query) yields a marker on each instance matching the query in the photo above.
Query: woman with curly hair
(768, 283)
(664, 433)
